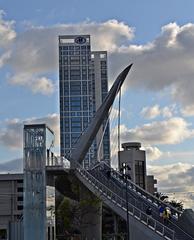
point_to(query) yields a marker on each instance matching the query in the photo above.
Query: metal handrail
(58, 162)
(188, 235)
(120, 202)
(121, 191)
(138, 189)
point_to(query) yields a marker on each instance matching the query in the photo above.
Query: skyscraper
(83, 86)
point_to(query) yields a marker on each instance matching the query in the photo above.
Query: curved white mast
(85, 141)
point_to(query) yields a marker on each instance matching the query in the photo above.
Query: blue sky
(157, 101)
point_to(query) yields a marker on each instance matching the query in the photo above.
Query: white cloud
(11, 136)
(167, 112)
(7, 33)
(188, 111)
(36, 84)
(152, 153)
(151, 112)
(34, 52)
(166, 62)
(163, 172)
(39, 44)
(186, 156)
(4, 58)
(171, 131)
(174, 178)
(156, 110)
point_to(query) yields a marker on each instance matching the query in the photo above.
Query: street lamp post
(125, 168)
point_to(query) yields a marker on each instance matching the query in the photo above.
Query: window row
(62, 48)
(77, 113)
(62, 59)
(75, 53)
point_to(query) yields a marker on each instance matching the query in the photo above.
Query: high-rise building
(83, 86)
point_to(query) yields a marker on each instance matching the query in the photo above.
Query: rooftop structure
(135, 158)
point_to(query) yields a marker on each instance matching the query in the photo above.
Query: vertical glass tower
(82, 85)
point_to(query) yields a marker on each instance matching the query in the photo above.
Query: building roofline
(11, 176)
(39, 125)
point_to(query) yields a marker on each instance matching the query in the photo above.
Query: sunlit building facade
(83, 85)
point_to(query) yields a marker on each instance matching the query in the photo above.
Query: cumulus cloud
(188, 111)
(150, 112)
(36, 84)
(165, 62)
(152, 153)
(175, 178)
(171, 131)
(163, 172)
(12, 135)
(7, 33)
(167, 112)
(34, 51)
(39, 44)
(155, 111)
(4, 57)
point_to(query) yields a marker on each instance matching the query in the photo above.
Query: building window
(139, 173)
(53, 233)
(20, 189)
(20, 207)
(3, 233)
(49, 234)
(20, 198)
(20, 181)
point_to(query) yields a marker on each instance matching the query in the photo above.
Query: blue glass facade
(77, 93)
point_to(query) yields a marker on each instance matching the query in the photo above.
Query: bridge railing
(146, 195)
(121, 203)
(121, 191)
(136, 201)
(58, 162)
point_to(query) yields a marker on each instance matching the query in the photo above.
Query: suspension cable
(119, 122)
(104, 130)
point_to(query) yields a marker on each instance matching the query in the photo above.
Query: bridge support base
(91, 225)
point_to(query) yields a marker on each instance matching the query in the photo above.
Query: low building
(11, 202)
(151, 181)
(11, 207)
(135, 158)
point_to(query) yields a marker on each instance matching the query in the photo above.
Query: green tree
(176, 204)
(71, 213)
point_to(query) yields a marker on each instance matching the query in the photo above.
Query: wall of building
(11, 200)
(100, 78)
(151, 181)
(135, 158)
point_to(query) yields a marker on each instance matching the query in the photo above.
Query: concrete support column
(115, 218)
(91, 219)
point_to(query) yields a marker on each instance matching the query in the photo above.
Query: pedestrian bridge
(111, 189)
